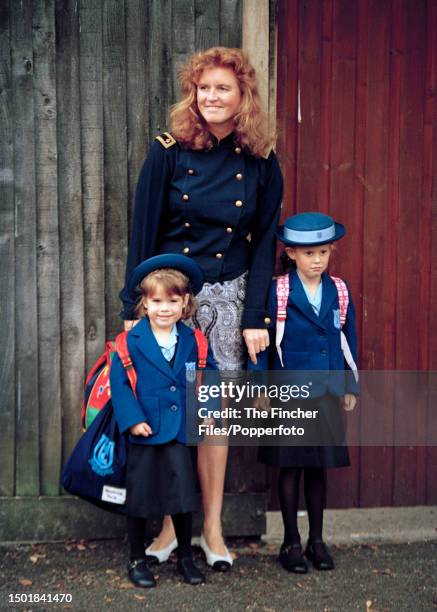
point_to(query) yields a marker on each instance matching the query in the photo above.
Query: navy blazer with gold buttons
(161, 389)
(218, 206)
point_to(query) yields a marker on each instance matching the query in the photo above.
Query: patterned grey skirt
(218, 315)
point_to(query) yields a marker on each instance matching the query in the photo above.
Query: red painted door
(357, 128)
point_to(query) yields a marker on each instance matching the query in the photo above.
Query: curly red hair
(187, 124)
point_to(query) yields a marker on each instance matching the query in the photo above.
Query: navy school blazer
(311, 342)
(161, 389)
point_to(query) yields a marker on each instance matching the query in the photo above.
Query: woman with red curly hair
(211, 188)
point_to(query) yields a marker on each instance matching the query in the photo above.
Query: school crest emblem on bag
(103, 456)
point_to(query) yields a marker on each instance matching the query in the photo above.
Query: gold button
(238, 203)
(187, 224)
(219, 255)
(185, 197)
(229, 230)
(190, 171)
(267, 320)
(186, 250)
(239, 176)
(237, 150)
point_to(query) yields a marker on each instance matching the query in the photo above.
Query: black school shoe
(191, 574)
(291, 558)
(140, 574)
(319, 556)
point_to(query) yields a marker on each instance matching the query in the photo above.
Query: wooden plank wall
(84, 87)
(357, 112)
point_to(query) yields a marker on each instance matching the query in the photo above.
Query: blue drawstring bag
(96, 470)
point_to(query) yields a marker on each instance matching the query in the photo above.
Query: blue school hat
(310, 229)
(169, 260)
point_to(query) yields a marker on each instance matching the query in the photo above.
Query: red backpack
(97, 388)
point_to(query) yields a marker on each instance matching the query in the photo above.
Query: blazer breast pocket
(153, 416)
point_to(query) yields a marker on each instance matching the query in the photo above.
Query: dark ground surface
(371, 578)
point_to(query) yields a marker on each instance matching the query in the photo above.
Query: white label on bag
(113, 495)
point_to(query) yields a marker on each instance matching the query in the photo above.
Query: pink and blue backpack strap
(282, 291)
(343, 298)
(343, 301)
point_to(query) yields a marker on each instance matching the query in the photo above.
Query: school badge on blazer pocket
(190, 371)
(337, 322)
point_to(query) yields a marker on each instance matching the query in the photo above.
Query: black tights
(136, 527)
(315, 491)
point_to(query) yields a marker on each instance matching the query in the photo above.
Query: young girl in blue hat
(314, 331)
(161, 473)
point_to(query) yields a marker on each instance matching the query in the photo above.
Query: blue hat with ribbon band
(169, 260)
(310, 229)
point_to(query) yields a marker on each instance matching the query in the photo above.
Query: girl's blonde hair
(186, 122)
(171, 282)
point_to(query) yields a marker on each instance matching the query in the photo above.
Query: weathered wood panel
(71, 261)
(365, 152)
(49, 336)
(256, 39)
(160, 81)
(26, 280)
(182, 43)
(7, 257)
(115, 156)
(207, 24)
(230, 23)
(91, 125)
(137, 68)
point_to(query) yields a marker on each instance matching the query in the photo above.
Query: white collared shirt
(168, 347)
(316, 300)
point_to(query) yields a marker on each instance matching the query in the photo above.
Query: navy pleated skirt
(329, 426)
(161, 479)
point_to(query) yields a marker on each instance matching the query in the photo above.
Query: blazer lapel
(147, 344)
(329, 295)
(185, 346)
(300, 300)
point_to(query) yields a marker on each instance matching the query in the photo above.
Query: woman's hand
(129, 324)
(256, 340)
(262, 403)
(349, 402)
(141, 429)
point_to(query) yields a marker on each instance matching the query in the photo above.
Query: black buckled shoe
(140, 574)
(291, 558)
(319, 556)
(189, 571)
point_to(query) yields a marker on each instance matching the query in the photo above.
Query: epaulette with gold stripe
(166, 139)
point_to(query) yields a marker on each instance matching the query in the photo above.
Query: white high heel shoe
(161, 554)
(219, 563)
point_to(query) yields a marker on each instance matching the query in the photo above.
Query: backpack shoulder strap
(202, 348)
(343, 298)
(123, 353)
(282, 291)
